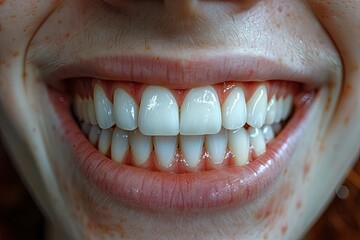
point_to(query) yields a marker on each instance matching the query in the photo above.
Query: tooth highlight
(125, 110)
(257, 140)
(105, 141)
(271, 111)
(165, 148)
(119, 145)
(141, 147)
(216, 146)
(239, 144)
(268, 133)
(256, 107)
(191, 147)
(234, 110)
(103, 108)
(200, 112)
(159, 112)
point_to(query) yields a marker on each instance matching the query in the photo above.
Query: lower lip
(181, 192)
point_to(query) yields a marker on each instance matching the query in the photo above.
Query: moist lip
(181, 192)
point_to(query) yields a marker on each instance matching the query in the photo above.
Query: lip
(197, 191)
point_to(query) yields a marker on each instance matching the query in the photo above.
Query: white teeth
(268, 133)
(200, 112)
(141, 147)
(257, 140)
(287, 107)
(84, 109)
(271, 111)
(125, 110)
(91, 112)
(256, 107)
(105, 141)
(159, 112)
(279, 109)
(239, 144)
(276, 127)
(191, 147)
(165, 148)
(103, 108)
(216, 146)
(94, 134)
(119, 145)
(234, 110)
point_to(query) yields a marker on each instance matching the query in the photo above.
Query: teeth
(239, 144)
(125, 110)
(165, 148)
(256, 107)
(216, 145)
(119, 145)
(91, 112)
(141, 147)
(84, 110)
(105, 141)
(159, 112)
(271, 111)
(192, 147)
(257, 140)
(279, 109)
(94, 134)
(200, 112)
(234, 110)
(268, 133)
(287, 107)
(85, 128)
(103, 108)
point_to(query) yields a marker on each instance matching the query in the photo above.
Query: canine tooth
(268, 133)
(257, 140)
(239, 144)
(141, 146)
(234, 110)
(91, 112)
(85, 128)
(105, 141)
(256, 107)
(165, 148)
(159, 112)
(216, 145)
(271, 111)
(200, 112)
(287, 107)
(279, 109)
(125, 110)
(94, 134)
(192, 147)
(103, 108)
(119, 144)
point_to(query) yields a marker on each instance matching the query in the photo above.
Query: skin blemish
(284, 228)
(14, 53)
(298, 205)
(280, 9)
(346, 120)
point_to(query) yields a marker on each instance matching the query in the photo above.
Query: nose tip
(181, 8)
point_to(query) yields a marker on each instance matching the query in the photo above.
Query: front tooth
(257, 140)
(91, 112)
(141, 147)
(279, 109)
(287, 107)
(239, 144)
(271, 111)
(268, 133)
(105, 141)
(256, 107)
(165, 148)
(216, 145)
(191, 147)
(234, 110)
(94, 134)
(103, 108)
(200, 112)
(119, 145)
(159, 112)
(125, 110)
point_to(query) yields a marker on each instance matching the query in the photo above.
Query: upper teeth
(201, 113)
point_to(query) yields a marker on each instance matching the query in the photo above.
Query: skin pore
(51, 45)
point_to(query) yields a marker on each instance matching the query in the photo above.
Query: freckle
(59, 22)
(306, 169)
(280, 9)
(15, 53)
(284, 229)
(298, 205)
(346, 120)
(66, 35)
(2, 2)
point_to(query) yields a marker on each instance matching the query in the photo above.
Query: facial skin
(319, 39)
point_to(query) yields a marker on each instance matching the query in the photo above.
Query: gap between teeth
(199, 125)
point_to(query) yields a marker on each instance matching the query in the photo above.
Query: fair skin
(180, 45)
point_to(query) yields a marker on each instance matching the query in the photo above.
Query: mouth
(182, 147)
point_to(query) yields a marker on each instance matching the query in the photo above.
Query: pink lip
(181, 192)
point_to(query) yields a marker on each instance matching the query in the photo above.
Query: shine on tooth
(165, 149)
(234, 110)
(257, 140)
(256, 107)
(105, 141)
(239, 144)
(279, 109)
(159, 112)
(268, 133)
(216, 146)
(103, 108)
(200, 112)
(287, 106)
(191, 147)
(125, 110)
(91, 112)
(271, 111)
(119, 144)
(94, 134)
(141, 147)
